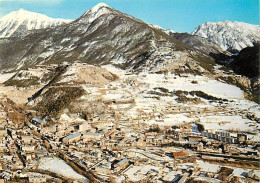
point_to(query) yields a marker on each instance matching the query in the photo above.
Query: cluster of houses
(123, 144)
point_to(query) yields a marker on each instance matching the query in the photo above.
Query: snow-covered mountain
(21, 21)
(230, 35)
(107, 37)
(102, 35)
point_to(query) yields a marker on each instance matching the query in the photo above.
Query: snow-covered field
(172, 120)
(228, 123)
(5, 77)
(207, 85)
(141, 87)
(59, 166)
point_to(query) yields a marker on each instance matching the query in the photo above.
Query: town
(138, 132)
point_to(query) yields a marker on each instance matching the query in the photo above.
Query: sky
(177, 15)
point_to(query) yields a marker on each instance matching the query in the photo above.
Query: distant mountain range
(104, 35)
(20, 22)
(232, 36)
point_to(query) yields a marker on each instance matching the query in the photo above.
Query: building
(37, 178)
(73, 137)
(83, 127)
(27, 139)
(27, 148)
(221, 136)
(194, 138)
(122, 164)
(178, 155)
(86, 136)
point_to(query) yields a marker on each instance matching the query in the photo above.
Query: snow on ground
(137, 173)
(171, 120)
(5, 77)
(59, 166)
(151, 155)
(255, 138)
(257, 173)
(172, 176)
(228, 123)
(243, 104)
(239, 172)
(255, 110)
(70, 119)
(120, 179)
(47, 53)
(207, 167)
(209, 86)
(207, 179)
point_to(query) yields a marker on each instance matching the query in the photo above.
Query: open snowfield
(228, 123)
(60, 167)
(172, 120)
(207, 85)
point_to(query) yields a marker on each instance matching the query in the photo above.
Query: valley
(130, 128)
(110, 98)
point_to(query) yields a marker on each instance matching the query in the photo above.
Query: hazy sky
(178, 15)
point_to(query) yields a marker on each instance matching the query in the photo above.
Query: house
(122, 164)
(27, 148)
(83, 127)
(73, 137)
(86, 136)
(241, 137)
(28, 156)
(27, 139)
(37, 178)
(177, 155)
(194, 138)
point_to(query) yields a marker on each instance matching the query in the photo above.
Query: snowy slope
(229, 35)
(19, 22)
(167, 31)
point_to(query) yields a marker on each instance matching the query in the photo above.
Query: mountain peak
(21, 10)
(100, 5)
(17, 22)
(97, 11)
